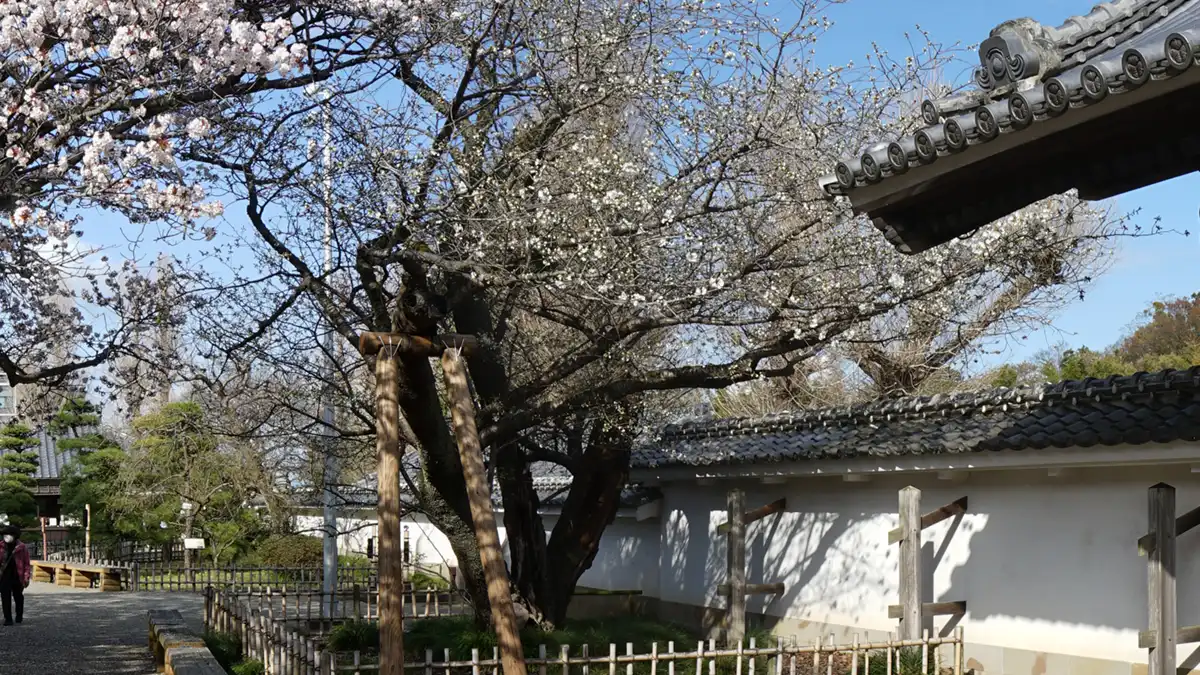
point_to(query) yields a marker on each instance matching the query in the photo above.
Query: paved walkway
(71, 632)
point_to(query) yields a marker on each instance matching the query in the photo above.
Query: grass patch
(249, 668)
(352, 636)
(227, 650)
(422, 581)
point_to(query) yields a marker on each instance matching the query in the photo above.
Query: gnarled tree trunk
(545, 573)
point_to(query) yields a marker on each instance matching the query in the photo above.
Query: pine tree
(88, 476)
(18, 465)
(76, 427)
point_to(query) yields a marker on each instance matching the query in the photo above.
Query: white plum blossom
(199, 128)
(21, 216)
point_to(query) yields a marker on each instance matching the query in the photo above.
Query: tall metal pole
(332, 470)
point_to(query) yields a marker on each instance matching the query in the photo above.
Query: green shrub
(225, 648)
(292, 550)
(249, 668)
(355, 636)
(907, 662)
(423, 581)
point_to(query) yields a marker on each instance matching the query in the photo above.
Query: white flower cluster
(115, 64)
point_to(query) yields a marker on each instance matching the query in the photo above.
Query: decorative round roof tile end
(956, 138)
(986, 125)
(1093, 83)
(871, 170)
(1180, 52)
(845, 175)
(897, 158)
(1135, 67)
(929, 112)
(925, 146)
(1020, 112)
(1058, 98)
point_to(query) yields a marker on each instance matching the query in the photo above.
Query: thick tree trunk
(546, 573)
(525, 532)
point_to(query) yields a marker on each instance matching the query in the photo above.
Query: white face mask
(8, 539)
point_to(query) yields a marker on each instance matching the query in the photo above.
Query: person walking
(15, 572)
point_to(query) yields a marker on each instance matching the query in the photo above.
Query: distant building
(47, 490)
(8, 404)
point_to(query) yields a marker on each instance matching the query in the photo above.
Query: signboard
(193, 543)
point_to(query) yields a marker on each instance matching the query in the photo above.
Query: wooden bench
(177, 649)
(75, 575)
(44, 571)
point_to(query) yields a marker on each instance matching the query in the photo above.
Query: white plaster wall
(627, 559)
(1045, 564)
(426, 543)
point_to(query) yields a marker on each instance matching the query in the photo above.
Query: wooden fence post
(1162, 579)
(735, 628)
(462, 416)
(910, 563)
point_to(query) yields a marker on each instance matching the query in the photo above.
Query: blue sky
(1144, 269)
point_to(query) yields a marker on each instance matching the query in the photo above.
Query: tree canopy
(178, 481)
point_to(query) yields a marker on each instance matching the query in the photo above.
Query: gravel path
(71, 632)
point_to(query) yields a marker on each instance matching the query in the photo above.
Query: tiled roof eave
(1137, 409)
(1144, 55)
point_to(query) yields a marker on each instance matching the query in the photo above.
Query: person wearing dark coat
(15, 573)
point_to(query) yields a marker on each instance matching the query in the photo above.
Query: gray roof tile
(1137, 409)
(50, 459)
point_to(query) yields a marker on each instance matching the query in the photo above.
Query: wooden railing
(268, 638)
(159, 577)
(355, 603)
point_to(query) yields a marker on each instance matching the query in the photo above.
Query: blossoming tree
(617, 199)
(100, 100)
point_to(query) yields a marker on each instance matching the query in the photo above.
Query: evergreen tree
(18, 465)
(76, 425)
(88, 477)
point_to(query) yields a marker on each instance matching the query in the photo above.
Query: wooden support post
(776, 588)
(462, 415)
(1162, 580)
(1183, 524)
(910, 563)
(387, 444)
(735, 627)
(777, 506)
(931, 609)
